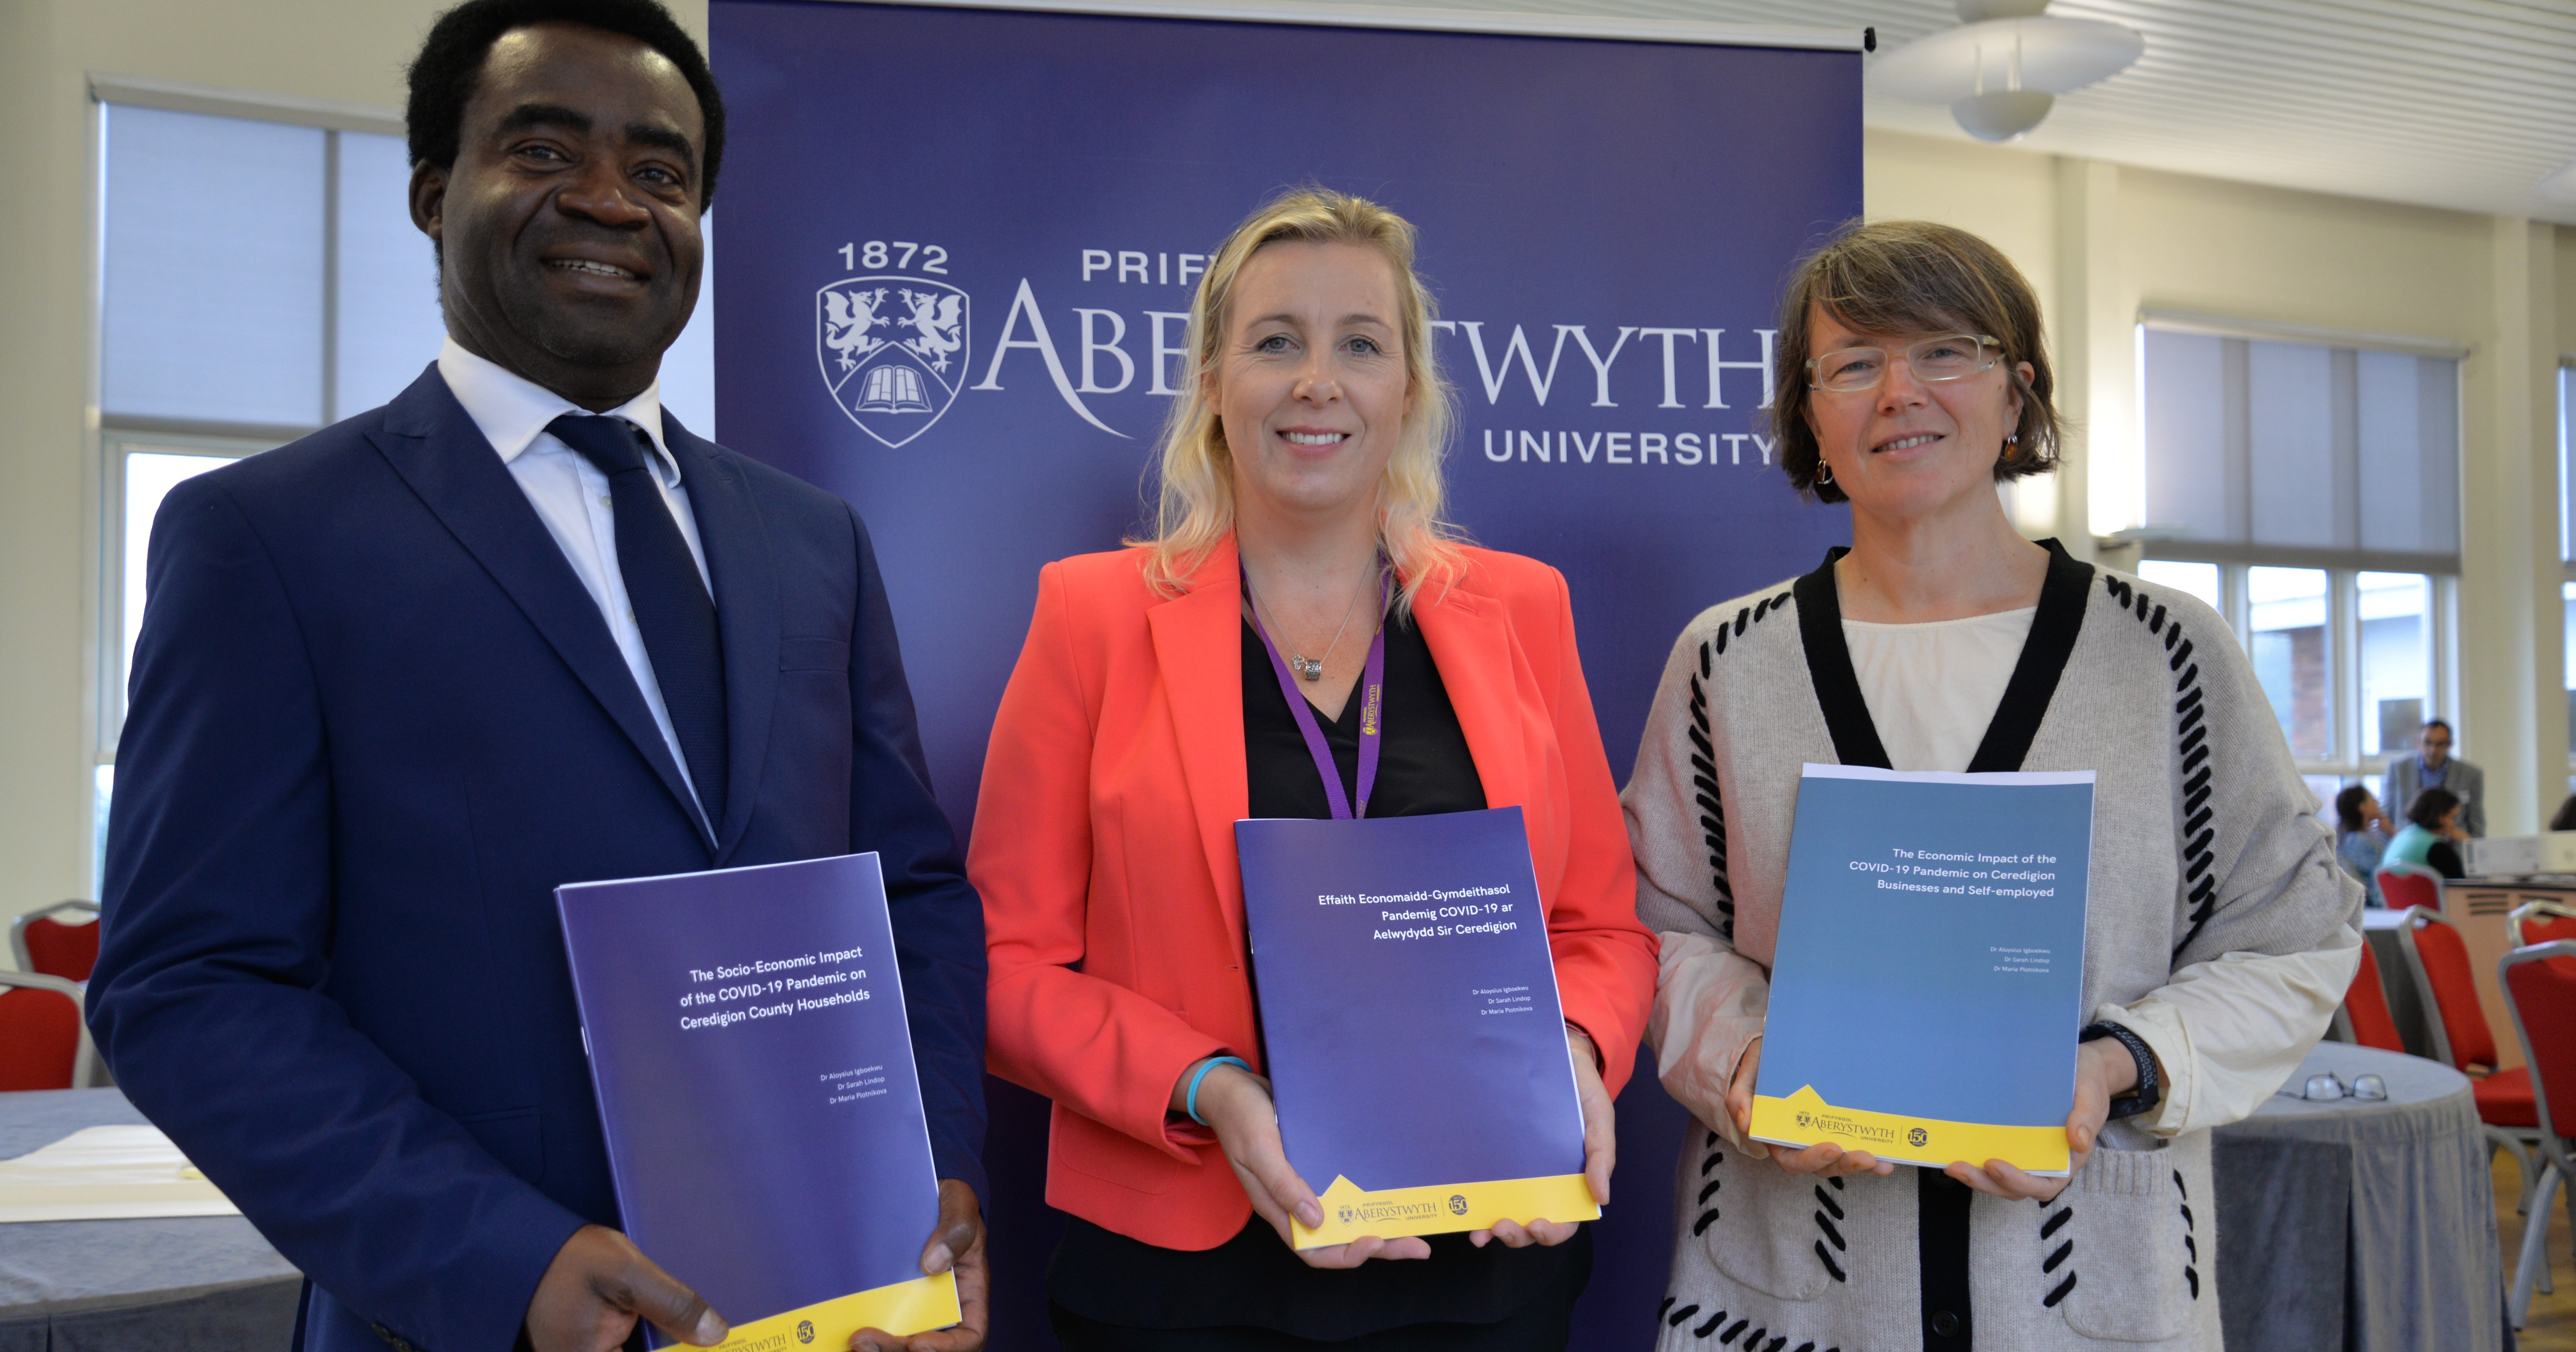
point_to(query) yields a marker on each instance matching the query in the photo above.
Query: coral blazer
(1113, 901)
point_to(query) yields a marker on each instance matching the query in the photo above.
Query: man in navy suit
(518, 628)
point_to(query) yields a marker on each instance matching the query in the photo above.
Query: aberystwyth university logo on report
(893, 351)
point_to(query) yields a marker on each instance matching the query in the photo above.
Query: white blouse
(1933, 687)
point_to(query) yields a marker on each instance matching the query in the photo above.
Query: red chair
(60, 940)
(2540, 987)
(2364, 1016)
(42, 1042)
(2404, 887)
(2540, 922)
(2449, 992)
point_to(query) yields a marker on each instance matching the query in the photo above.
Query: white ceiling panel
(2463, 104)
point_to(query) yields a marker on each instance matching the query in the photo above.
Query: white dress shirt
(571, 495)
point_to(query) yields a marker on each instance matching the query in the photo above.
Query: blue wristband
(1190, 1103)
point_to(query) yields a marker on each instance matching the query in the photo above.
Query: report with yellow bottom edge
(1927, 986)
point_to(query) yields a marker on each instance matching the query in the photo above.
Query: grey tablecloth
(185, 1284)
(2358, 1224)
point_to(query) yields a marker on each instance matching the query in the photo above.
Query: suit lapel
(1198, 647)
(745, 576)
(1479, 666)
(439, 451)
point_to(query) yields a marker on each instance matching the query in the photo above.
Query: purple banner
(958, 248)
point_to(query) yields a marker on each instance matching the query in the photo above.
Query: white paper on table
(107, 1174)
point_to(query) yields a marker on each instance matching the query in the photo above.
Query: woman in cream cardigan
(2220, 932)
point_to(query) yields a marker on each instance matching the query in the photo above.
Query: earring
(1824, 471)
(2012, 446)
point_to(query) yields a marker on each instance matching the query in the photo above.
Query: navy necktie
(670, 601)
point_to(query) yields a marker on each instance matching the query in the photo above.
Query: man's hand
(2103, 1070)
(599, 1285)
(1600, 1151)
(1236, 1103)
(1823, 1159)
(957, 1243)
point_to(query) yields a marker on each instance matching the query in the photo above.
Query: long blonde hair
(1194, 469)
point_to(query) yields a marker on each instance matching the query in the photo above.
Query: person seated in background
(2565, 820)
(2361, 836)
(2431, 836)
(2434, 767)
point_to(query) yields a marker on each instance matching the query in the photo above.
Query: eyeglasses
(2326, 1088)
(1955, 356)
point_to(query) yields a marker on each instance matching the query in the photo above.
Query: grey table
(2363, 1225)
(183, 1284)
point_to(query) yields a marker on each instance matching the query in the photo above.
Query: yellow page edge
(1352, 1212)
(916, 1306)
(1804, 1119)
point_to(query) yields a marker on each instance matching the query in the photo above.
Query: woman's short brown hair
(2430, 807)
(1913, 277)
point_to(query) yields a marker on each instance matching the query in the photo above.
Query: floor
(2551, 1326)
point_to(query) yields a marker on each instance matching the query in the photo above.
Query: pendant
(1312, 668)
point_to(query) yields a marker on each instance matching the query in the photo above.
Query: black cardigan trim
(1829, 668)
(2053, 631)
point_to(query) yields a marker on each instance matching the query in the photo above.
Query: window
(2567, 547)
(2192, 579)
(2306, 487)
(2395, 611)
(2263, 447)
(259, 278)
(2287, 626)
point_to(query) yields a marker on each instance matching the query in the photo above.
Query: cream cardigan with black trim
(2213, 890)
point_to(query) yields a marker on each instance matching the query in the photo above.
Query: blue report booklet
(755, 1075)
(1410, 1020)
(1929, 978)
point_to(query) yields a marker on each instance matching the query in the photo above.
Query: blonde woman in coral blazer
(1144, 720)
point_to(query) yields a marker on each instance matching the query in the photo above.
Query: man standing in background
(518, 628)
(2433, 767)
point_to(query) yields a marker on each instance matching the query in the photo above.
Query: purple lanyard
(1371, 687)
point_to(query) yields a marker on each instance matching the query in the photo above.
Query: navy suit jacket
(375, 720)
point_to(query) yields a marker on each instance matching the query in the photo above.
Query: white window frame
(117, 436)
(2343, 641)
(2342, 566)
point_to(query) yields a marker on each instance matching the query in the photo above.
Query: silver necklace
(1311, 668)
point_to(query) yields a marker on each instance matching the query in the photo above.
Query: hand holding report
(756, 1085)
(1410, 1016)
(1926, 987)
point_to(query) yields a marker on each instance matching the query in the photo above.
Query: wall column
(2096, 365)
(2513, 712)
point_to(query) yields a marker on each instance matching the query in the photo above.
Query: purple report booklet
(1409, 1017)
(756, 1083)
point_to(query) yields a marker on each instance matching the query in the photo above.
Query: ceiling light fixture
(2002, 69)
(2559, 184)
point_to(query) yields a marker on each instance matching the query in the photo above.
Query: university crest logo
(1348, 1216)
(1802, 1117)
(893, 350)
